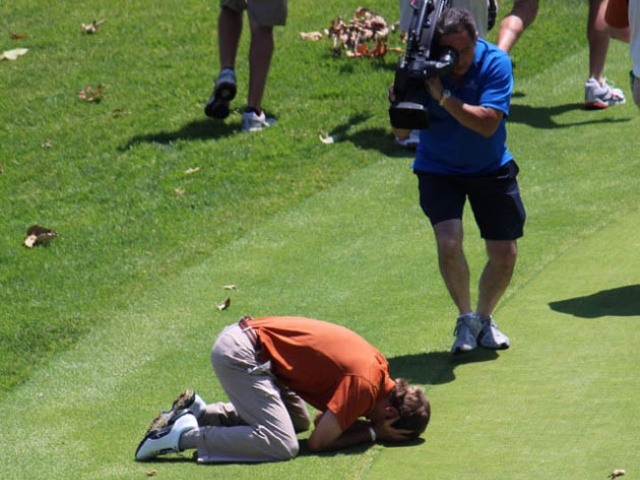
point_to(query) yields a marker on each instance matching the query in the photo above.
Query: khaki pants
(260, 422)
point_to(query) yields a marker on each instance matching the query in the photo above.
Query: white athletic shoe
(598, 96)
(164, 440)
(252, 122)
(491, 336)
(468, 327)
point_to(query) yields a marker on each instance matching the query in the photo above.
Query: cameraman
(462, 155)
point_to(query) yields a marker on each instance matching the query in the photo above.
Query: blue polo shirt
(447, 147)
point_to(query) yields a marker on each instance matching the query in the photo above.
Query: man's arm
(329, 435)
(482, 120)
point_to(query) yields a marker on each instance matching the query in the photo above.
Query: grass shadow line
(435, 368)
(201, 129)
(543, 117)
(617, 302)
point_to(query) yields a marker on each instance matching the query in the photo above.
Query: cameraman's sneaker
(252, 122)
(223, 92)
(166, 439)
(468, 327)
(598, 96)
(491, 336)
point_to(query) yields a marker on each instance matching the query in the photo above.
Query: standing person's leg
(597, 93)
(500, 215)
(269, 433)
(442, 200)
(523, 14)
(260, 54)
(264, 15)
(229, 31)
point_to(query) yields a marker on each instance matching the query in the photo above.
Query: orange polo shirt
(327, 365)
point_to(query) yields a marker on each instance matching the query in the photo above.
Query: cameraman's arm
(482, 120)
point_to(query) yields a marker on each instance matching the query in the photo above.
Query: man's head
(412, 406)
(456, 29)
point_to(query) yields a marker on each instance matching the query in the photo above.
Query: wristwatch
(443, 97)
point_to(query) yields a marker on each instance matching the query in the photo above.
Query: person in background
(623, 14)
(269, 367)
(598, 94)
(263, 16)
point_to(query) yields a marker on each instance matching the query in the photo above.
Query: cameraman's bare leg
(453, 263)
(522, 15)
(260, 53)
(496, 275)
(229, 31)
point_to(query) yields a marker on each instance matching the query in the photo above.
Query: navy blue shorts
(494, 199)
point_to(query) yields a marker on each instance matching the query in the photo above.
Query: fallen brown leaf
(315, 36)
(92, 27)
(18, 36)
(618, 472)
(37, 235)
(224, 305)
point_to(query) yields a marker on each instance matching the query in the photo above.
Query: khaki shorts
(267, 13)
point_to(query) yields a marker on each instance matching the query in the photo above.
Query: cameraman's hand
(435, 87)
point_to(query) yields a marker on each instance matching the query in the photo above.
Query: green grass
(103, 327)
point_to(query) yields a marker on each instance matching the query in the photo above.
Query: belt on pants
(250, 333)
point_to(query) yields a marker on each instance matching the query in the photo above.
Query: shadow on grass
(356, 449)
(201, 129)
(543, 117)
(617, 302)
(378, 139)
(435, 368)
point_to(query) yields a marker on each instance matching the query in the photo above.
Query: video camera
(422, 60)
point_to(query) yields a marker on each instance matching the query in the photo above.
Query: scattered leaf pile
(366, 35)
(91, 94)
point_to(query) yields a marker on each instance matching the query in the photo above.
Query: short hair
(413, 406)
(454, 20)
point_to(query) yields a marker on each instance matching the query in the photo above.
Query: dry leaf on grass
(152, 473)
(315, 36)
(326, 138)
(90, 94)
(230, 287)
(179, 192)
(47, 144)
(18, 36)
(37, 235)
(92, 27)
(189, 171)
(13, 54)
(618, 472)
(224, 305)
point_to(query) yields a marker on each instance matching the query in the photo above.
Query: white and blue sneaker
(467, 329)
(165, 440)
(252, 122)
(491, 336)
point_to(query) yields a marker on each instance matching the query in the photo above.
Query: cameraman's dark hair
(454, 20)
(413, 406)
